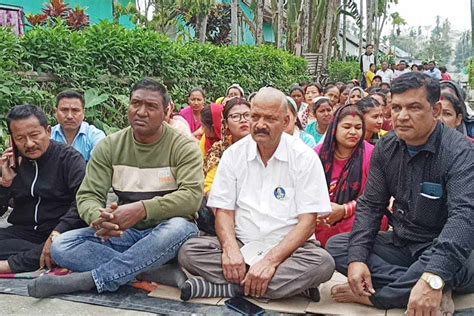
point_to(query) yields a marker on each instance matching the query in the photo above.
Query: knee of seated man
(337, 245)
(185, 254)
(61, 244)
(181, 225)
(324, 266)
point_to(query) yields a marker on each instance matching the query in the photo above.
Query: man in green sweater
(157, 176)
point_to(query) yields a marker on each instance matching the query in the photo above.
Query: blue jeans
(117, 261)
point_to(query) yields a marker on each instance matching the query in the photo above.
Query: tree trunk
(201, 26)
(326, 40)
(280, 24)
(344, 32)
(306, 25)
(234, 22)
(361, 28)
(370, 21)
(472, 25)
(300, 30)
(259, 26)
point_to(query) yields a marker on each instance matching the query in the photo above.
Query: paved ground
(21, 305)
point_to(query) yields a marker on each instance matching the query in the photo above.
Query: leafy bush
(104, 60)
(471, 73)
(344, 71)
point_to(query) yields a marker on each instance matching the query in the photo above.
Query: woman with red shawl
(211, 122)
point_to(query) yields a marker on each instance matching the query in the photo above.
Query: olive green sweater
(166, 176)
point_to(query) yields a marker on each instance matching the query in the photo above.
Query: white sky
(424, 12)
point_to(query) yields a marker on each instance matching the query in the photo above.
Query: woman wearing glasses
(235, 126)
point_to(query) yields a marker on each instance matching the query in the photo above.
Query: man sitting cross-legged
(157, 176)
(268, 190)
(42, 185)
(429, 169)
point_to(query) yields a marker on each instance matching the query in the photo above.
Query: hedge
(343, 71)
(104, 60)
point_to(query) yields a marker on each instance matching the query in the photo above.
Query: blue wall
(98, 10)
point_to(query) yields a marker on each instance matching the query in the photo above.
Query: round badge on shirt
(279, 193)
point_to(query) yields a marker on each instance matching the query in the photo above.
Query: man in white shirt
(268, 191)
(365, 61)
(386, 73)
(402, 69)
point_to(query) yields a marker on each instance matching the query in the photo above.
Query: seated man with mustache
(41, 178)
(72, 129)
(157, 176)
(429, 169)
(268, 191)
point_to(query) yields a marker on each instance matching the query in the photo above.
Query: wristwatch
(434, 281)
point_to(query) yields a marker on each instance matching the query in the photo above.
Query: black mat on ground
(125, 298)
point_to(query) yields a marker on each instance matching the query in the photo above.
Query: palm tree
(280, 24)
(259, 21)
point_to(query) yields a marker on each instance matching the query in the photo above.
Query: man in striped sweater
(157, 176)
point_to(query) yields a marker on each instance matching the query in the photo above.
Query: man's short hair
(432, 62)
(416, 80)
(369, 45)
(402, 61)
(70, 94)
(152, 85)
(21, 112)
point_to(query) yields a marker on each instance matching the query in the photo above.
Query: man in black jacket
(40, 177)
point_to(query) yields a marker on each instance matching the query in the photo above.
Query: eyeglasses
(237, 117)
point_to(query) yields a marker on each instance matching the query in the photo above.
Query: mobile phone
(431, 190)
(243, 306)
(14, 159)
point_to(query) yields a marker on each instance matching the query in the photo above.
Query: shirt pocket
(282, 204)
(430, 212)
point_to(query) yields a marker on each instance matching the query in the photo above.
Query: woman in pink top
(192, 113)
(345, 156)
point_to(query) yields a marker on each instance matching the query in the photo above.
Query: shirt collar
(431, 144)
(58, 129)
(281, 153)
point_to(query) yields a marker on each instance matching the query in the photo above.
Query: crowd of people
(264, 196)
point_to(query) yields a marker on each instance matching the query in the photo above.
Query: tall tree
(361, 26)
(280, 23)
(259, 21)
(200, 10)
(234, 10)
(344, 31)
(370, 19)
(327, 41)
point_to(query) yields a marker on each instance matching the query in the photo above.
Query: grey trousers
(308, 267)
(395, 270)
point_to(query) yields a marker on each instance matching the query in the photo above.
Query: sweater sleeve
(74, 169)
(186, 200)
(92, 193)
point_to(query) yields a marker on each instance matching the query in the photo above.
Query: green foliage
(344, 71)
(471, 73)
(105, 60)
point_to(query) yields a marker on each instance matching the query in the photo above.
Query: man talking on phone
(429, 169)
(268, 191)
(41, 178)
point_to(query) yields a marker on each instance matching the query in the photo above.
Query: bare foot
(342, 293)
(447, 304)
(4, 266)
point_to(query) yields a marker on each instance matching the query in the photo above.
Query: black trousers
(395, 270)
(22, 247)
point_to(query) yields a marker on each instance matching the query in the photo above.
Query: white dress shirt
(267, 200)
(387, 75)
